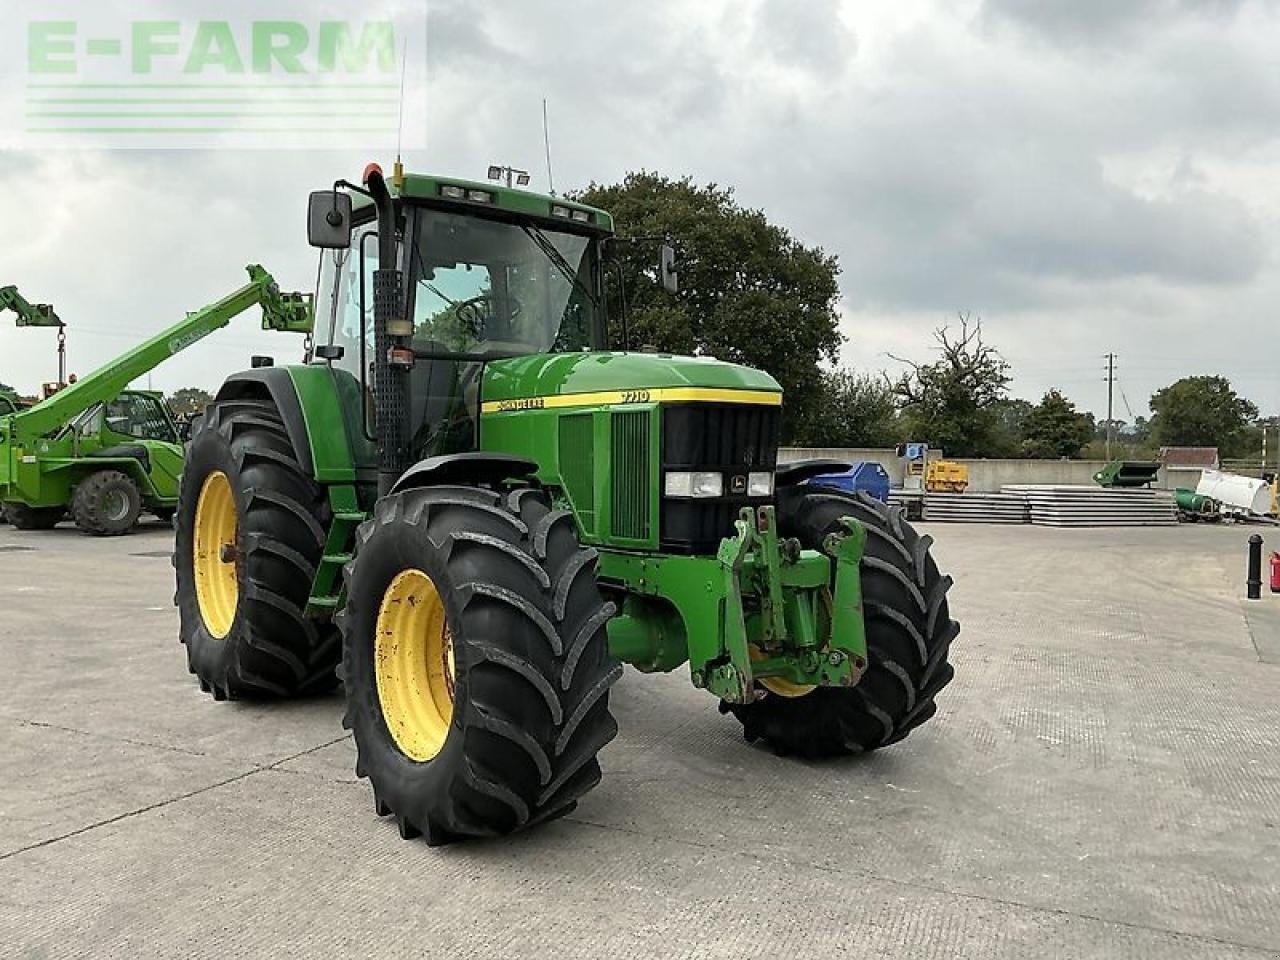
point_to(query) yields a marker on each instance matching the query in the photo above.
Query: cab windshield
(491, 288)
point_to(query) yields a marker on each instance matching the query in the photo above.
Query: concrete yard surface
(1102, 780)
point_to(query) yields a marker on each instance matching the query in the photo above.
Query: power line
(1127, 409)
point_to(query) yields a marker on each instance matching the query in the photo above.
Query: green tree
(189, 401)
(1201, 411)
(1010, 413)
(953, 403)
(855, 410)
(1054, 428)
(749, 292)
(1137, 432)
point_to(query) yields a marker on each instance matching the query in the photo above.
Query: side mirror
(667, 268)
(329, 219)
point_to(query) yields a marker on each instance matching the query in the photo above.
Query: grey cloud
(813, 39)
(1100, 21)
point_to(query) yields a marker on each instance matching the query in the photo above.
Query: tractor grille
(631, 477)
(577, 467)
(731, 438)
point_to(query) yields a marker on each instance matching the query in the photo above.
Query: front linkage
(761, 609)
(787, 613)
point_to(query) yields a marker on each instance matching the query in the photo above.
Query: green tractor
(479, 511)
(104, 453)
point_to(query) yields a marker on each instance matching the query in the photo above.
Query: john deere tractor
(478, 511)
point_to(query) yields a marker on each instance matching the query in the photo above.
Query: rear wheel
(909, 632)
(106, 503)
(475, 661)
(250, 531)
(33, 518)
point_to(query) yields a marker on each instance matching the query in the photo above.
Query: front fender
(476, 466)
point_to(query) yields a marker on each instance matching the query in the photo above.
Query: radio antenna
(546, 142)
(398, 170)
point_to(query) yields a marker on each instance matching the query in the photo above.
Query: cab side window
(136, 415)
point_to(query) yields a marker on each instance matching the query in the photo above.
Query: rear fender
(309, 403)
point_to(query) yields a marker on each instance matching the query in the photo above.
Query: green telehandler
(479, 511)
(104, 453)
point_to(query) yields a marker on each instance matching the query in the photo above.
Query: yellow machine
(932, 476)
(946, 476)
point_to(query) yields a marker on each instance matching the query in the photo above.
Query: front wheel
(106, 504)
(908, 627)
(475, 661)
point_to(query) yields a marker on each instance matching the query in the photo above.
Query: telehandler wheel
(250, 530)
(909, 632)
(106, 504)
(475, 661)
(32, 518)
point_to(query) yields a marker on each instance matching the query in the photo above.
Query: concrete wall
(991, 475)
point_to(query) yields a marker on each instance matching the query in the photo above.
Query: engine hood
(565, 379)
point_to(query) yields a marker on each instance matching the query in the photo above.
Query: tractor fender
(475, 466)
(274, 384)
(798, 471)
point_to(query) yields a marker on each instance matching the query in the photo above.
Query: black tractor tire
(531, 668)
(271, 649)
(106, 503)
(908, 626)
(32, 518)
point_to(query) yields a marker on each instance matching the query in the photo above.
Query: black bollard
(1255, 567)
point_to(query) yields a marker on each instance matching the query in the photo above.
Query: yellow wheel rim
(779, 685)
(413, 665)
(217, 588)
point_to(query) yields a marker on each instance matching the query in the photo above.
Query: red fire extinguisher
(1275, 572)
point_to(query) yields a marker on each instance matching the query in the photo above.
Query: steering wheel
(478, 311)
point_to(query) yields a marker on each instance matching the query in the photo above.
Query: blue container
(865, 476)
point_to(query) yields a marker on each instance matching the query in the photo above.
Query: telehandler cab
(477, 508)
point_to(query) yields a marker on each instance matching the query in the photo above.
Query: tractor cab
(488, 273)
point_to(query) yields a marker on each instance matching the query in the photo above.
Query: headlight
(760, 484)
(700, 484)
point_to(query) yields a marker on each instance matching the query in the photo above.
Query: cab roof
(478, 195)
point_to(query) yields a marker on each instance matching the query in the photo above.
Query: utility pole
(1111, 386)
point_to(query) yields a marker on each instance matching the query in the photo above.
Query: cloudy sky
(1085, 175)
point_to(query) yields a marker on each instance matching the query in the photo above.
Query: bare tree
(951, 401)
